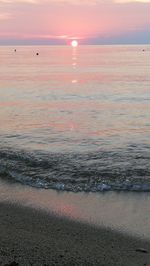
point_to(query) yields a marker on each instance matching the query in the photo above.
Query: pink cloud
(68, 18)
(5, 16)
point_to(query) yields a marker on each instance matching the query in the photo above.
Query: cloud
(73, 2)
(57, 2)
(19, 1)
(63, 19)
(5, 16)
(132, 1)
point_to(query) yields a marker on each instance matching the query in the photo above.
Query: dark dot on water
(37, 53)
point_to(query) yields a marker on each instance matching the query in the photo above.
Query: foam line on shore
(125, 212)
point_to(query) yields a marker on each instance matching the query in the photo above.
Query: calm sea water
(76, 118)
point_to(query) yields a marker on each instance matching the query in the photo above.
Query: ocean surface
(75, 119)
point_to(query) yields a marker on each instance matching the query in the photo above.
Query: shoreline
(126, 212)
(34, 237)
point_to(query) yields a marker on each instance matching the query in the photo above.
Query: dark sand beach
(34, 237)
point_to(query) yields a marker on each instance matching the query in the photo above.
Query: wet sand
(34, 237)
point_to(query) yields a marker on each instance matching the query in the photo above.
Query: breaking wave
(122, 169)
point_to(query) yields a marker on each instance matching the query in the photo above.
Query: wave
(122, 169)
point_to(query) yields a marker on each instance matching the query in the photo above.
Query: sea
(76, 119)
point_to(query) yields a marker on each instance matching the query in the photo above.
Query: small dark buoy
(15, 50)
(37, 53)
(143, 50)
(142, 250)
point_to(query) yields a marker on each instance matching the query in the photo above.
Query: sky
(88, 21)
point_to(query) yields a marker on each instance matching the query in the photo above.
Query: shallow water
(127, 212)
(76, 119)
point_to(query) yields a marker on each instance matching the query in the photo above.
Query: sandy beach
(34, 237)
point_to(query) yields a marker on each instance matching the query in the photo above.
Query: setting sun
(74, 43)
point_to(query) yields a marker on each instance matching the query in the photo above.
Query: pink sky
(94, 20)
